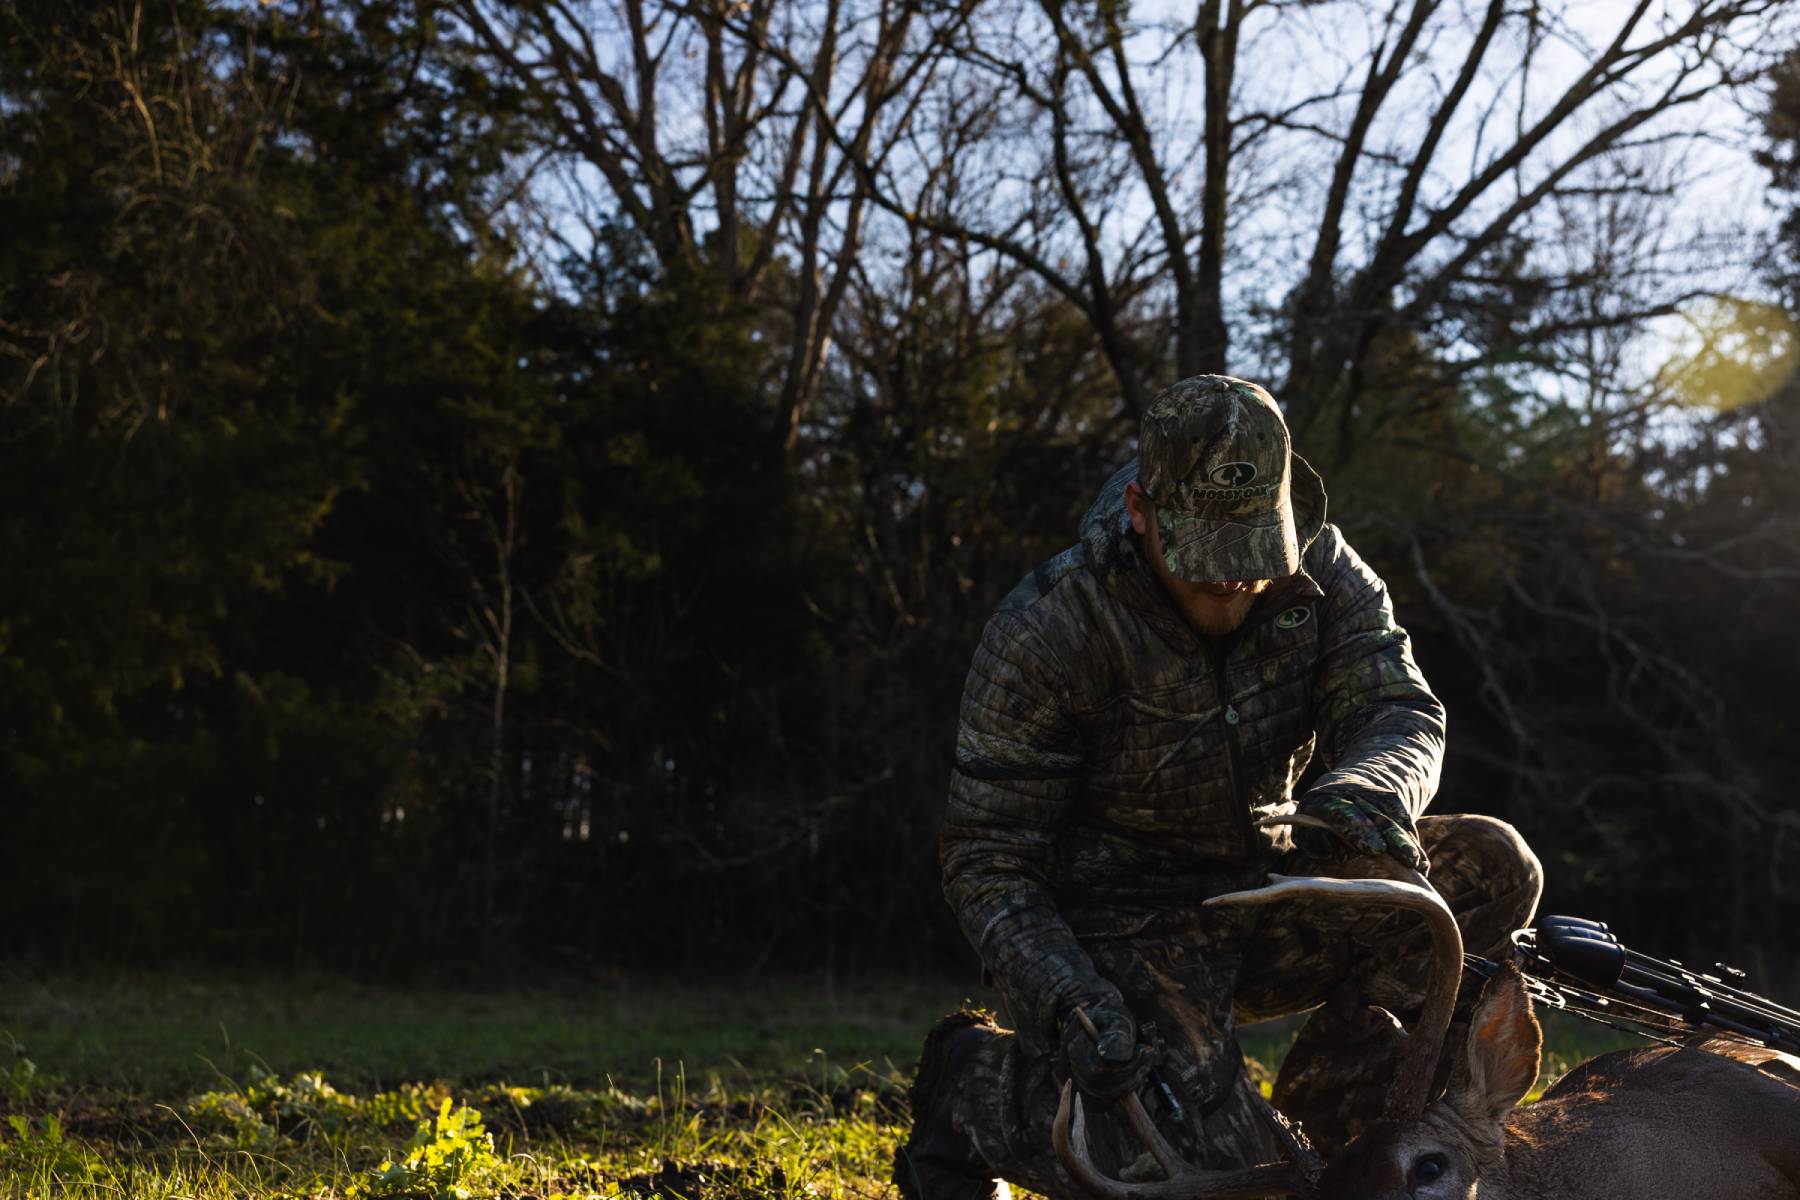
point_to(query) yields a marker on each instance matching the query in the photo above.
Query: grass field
(161, 1086)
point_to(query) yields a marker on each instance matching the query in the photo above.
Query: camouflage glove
(1114, 1064)
(1366, 824)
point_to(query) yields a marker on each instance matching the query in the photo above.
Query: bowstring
(1618, 1013)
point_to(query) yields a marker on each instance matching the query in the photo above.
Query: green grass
(1570, 1040)
(159, 1033)
(161, 1086)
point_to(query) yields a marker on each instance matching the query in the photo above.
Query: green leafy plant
(558, 1106)
(305, 1098)
(257, 1115)
(440, 1161)
(19, 1076)
(37, 1153)
(405, 1105)
(227, 1121)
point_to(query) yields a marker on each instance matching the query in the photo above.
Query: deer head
(1442, 1152)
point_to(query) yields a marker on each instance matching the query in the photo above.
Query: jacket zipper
(1234, 748)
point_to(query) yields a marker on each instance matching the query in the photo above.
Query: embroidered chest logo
(1293, 618)
(1232, 474)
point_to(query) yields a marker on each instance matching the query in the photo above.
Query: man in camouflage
(1136, 705)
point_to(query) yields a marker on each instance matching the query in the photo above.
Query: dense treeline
(480, 488)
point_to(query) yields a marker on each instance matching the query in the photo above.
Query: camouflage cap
(1215, 458)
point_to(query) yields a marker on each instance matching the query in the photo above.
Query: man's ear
(1139, 506)
(1500, 1060)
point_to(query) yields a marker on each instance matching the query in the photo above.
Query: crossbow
(1580, 967)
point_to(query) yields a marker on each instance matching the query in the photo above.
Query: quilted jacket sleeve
(1018, 767)
(1380, 726)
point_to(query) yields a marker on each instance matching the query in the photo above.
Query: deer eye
(1429, 1168)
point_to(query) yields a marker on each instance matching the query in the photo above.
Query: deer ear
(1499, 1061)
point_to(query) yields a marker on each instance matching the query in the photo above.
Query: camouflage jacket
(1111, 762)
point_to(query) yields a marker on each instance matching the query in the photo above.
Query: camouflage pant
(1190, 977)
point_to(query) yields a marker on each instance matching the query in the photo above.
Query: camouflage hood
(1105, 531)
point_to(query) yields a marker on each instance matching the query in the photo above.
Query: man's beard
(1216, 617)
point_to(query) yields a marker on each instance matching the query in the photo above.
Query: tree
(726, 136)
(252, 284)
(1089, 172)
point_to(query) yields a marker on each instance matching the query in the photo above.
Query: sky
(1706, 229)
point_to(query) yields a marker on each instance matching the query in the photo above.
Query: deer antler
(1185, 1181)
(1410, 1090)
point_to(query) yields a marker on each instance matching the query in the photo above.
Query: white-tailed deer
(1715, 1123)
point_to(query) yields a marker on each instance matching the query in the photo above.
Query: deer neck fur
(1654, 1122)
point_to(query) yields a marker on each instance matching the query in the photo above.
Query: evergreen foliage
(375, 593)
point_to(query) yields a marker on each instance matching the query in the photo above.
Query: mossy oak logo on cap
(1293, 618)
(1232, 474)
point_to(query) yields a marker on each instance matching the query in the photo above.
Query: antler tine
(1185, 1181)
(1410, 1091)
(1147, 1131)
